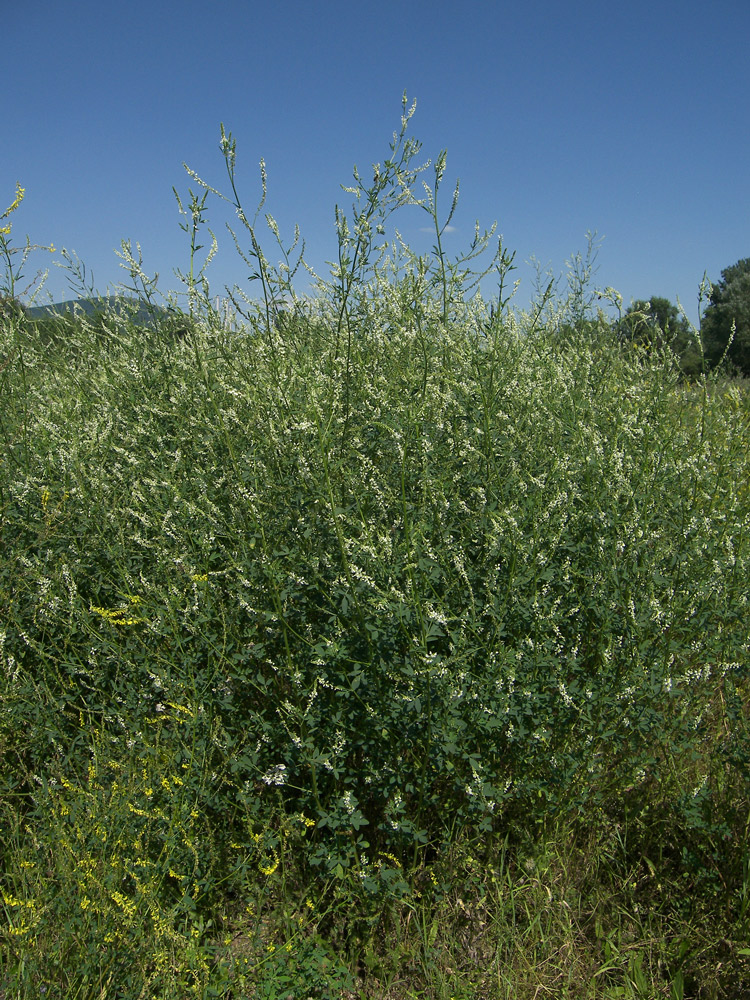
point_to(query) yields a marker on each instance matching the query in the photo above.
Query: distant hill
(140, 312)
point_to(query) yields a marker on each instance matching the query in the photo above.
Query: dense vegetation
(724, 340)
(726, 323)
(391, 646)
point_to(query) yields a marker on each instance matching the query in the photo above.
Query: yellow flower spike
(115, 616)
(391, 857)
(182, 708)
(270, 869)
(125, 904)
(22, 928)
(20, 192)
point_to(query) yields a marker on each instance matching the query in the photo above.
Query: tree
(653, 321)
(729, 303)
(658, 322)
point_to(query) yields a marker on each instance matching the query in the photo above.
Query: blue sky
(631, 119)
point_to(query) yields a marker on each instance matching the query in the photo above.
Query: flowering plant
(13, 275)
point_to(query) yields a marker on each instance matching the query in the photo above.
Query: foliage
(658, 323)
(655, 321)
(726, 321)
(404, 636)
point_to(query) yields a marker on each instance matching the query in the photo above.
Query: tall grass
(392, 645)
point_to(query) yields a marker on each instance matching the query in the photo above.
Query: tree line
(724, 326)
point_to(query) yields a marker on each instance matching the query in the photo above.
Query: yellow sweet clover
(182, 708)
(5, 230)
(390, 857)
(20, 192)
(119, 616)
(271, 867)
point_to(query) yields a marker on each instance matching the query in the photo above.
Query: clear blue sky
(628, 118)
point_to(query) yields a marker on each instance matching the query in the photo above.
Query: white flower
(276, 775)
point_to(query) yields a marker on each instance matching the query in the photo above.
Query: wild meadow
(390, 643)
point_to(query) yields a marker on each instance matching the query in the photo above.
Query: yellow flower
(22, 928)
(391, 857)
(125, 904)
(181, 708)
(20, 192)
(269, 869)
(115, 616)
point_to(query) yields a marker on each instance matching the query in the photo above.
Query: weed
(392, 644)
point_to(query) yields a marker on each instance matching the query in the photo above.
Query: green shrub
(294, 611)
